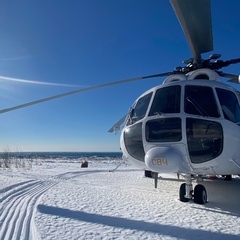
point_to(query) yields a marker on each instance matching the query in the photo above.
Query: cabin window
(133, 141)
(164, 130)
(229, 104)
(204, 139)
(200, 100)
(166, 100)
(139, 110)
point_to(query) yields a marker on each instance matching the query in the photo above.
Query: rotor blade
(233, 78)
(196, 21)
(81, 90)
(117, 125)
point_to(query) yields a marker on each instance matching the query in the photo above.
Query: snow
(57, 199)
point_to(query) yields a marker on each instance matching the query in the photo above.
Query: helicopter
(188, 125)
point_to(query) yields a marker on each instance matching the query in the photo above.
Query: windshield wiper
(197, 107)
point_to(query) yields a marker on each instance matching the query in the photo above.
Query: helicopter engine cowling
(203, 73)
(174, 78)
(165, 159)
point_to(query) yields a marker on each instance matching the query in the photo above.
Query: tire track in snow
(18, 204)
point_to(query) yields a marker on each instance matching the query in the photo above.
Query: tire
(182, 193)
(228, 178)
(200, 194)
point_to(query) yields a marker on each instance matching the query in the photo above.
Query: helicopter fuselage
(185, 126)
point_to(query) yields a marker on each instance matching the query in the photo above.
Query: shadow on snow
(156, 228)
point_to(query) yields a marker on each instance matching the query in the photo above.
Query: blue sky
(85, 43)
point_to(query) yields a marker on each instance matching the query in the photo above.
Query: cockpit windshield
(166, 100)
(200, 100)
(139, 110)
(229, 104)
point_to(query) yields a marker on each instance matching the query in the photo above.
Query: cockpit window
(139, 110)
(164, 130)
(204, 139)
(200, 100)
(229, 104)
(166, 100)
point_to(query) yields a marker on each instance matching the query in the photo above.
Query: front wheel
(182, 193)
(200, 194)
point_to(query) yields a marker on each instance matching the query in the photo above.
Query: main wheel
(200, 194)
(182, 193)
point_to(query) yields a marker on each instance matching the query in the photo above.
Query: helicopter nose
(165, 159)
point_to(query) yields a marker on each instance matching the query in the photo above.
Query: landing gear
(182, 193)
(186, 193)
(227, 177)
(200, 194)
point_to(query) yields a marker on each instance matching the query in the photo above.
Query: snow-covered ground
(57, 199)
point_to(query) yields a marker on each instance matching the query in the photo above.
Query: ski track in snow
(18, 207)
(19, 204)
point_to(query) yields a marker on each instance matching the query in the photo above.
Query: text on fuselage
(160, 161)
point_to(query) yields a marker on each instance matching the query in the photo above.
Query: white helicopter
(189, 125)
